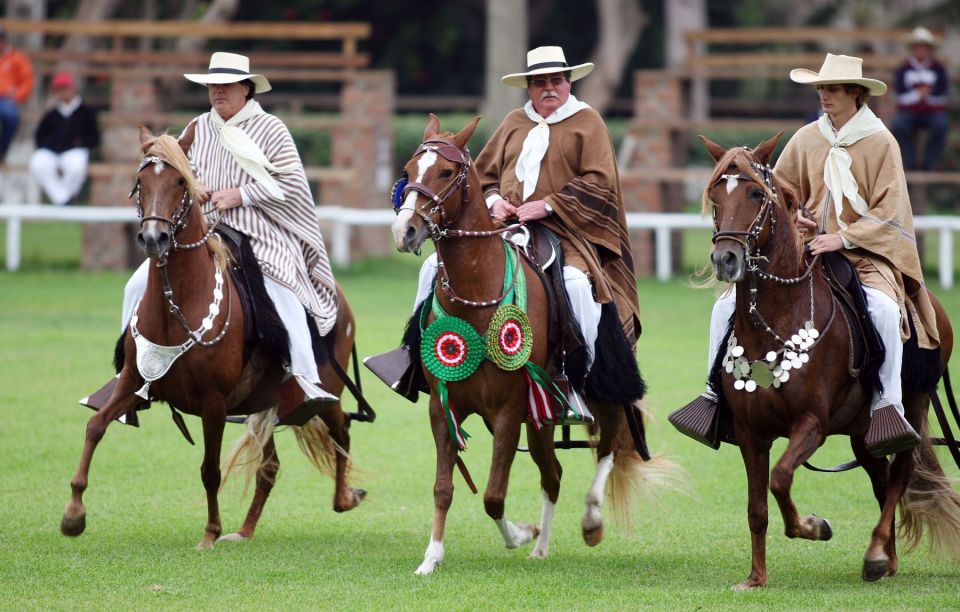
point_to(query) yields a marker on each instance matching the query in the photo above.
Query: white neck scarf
(837, 175)
(67, 108)
(538, 139)
(245, 151)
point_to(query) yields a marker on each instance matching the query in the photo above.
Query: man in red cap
(64, 138)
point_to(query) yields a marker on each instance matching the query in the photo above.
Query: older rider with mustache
(553, 161)
(846, 166)
(251, 174)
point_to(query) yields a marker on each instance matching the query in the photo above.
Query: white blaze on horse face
(731, 183)
(424, 162)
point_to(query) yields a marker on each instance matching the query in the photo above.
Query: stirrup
(700, 420)
(99, 398)
(295, 408)
(578, 413)
(889, 433)
(397, 371)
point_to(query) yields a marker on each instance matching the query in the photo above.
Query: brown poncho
(578, 177)
(885, 256)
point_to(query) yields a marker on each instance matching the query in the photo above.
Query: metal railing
(342, 220)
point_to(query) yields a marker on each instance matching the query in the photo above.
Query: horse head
(742, 195)
(433, 192)
(164, 188)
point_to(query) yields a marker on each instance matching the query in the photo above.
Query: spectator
(921, 84)
(64, 138)
(16, 83)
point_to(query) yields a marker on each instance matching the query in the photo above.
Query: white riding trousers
(289, 308)
(585, 310)
(61, 175)
(885, 315)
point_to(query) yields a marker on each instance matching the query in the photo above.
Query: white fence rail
(343, 220)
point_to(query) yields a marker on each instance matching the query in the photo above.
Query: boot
(889, 433)
(578, 413)
(699, 419)
(98, 399)
(396, 369)
(295, 406)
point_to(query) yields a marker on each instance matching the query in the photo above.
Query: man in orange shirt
(16, 83)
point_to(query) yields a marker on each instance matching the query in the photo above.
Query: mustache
(548, 94)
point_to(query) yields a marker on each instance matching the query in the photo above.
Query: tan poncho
(885, 256)
(578, 177)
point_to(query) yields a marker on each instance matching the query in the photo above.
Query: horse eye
(446, 173)
(756, 194)
(182, 182)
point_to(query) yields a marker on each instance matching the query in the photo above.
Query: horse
(218, 373)
(443, 201)
(779, 290)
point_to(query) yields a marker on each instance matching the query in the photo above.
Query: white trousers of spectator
(289, 308)
(885, 314)
(61, 175)
(585, 310)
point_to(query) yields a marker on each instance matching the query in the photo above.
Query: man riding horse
(552, 161)
(846, 169)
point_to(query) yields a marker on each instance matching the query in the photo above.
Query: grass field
(146, 507)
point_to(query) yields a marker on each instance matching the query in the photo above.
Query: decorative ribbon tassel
(457, 433)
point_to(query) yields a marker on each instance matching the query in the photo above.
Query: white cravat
(246, 152)
(67, 108)
(538, 139)
(837, 175)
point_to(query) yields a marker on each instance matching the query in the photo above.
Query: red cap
(63, 79)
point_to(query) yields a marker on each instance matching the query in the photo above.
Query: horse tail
(247, 452)
(930, 501)
(320, 448)
(633, 478)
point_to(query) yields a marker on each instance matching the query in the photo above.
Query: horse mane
(168, 149)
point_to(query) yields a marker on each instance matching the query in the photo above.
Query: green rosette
(451, 349)
(509, 338)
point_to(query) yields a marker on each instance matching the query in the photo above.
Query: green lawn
(146, 508)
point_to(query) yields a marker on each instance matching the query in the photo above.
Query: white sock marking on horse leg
(514, 535)
(591, 517)
(546, 522)
(431, 558)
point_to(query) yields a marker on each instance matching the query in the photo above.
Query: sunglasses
(556, 81)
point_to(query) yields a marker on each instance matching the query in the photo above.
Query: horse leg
(442, 488)
(544, 455)
(266, 477)
(591, 524)
(805, 439)
(506, 434)
(123, 400)
(756, 460)
(880, 560)
(345, 497)
(213, 421)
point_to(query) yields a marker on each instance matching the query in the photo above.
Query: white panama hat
(230, 68)
(546, 60)
(839, 69)
(922, 36)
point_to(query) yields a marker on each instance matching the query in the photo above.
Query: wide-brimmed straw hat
(922, 36)
(230, 68)
(546, 60)
(839, 69)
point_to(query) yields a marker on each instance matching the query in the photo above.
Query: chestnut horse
(218, 375)
(443, 201)
(778, 290)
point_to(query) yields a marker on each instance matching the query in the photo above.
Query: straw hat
(922, 36)
(839, 69)
(546, 60)
(230, 68)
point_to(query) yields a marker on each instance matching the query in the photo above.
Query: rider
(846, 168)
(553, 161)
(249, 171)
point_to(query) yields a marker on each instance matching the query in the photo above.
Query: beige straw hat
(838, 69)
(230, 68)
(546, 60)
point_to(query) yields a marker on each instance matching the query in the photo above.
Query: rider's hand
(226, 199)
(532, 210)
(503, 210)
(202, 194)
(806, 225)
(825, 243)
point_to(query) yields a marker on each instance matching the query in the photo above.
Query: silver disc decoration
(774, 369)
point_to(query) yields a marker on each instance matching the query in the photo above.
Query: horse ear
(433, 127)
(715, 150)
(145, 135)
(463, 136)
(765, 149)
(186, 139)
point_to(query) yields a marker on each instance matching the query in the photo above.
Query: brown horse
(218, 375)
(758, 247)
(443, 201)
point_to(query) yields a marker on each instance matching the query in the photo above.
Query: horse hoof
(537, 553)
(356, 496)
(593, 535)
(825, 532)
(747, 585)
(233, 537)
(874, 570)
(73, 526)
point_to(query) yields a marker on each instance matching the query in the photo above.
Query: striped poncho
(284, 234)
(579, 179)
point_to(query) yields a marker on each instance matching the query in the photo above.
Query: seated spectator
(64, 138)
(16, 84)
(921, 84)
